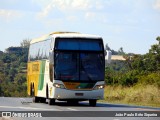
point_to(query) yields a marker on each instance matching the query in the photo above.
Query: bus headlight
(56, 85)
(97, 87)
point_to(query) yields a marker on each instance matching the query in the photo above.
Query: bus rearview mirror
(108, 57)
(51, 57)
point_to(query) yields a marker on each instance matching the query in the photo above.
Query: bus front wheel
(51, 101)
(92, 103)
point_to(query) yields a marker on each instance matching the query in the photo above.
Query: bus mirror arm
(109, 55)
(51, 57)
(105, 52)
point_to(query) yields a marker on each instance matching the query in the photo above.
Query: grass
(147, 95)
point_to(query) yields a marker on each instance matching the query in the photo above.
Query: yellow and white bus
(66, 66)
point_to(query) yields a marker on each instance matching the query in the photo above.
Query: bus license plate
(79, 94)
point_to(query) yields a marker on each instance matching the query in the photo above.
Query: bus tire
(92, 103)
(31, 90)
(36, 99)
(47, 95)
(43, 100)
(51, 101)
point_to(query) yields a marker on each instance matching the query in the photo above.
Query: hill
(13, 65)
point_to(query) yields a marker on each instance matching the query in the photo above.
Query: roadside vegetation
(133, 81)
(13, 65)
(136, 80)
(148, 95)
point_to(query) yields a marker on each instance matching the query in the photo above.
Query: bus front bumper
(78, 94)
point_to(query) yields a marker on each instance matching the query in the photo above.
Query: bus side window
(39, 51)
(32, 52)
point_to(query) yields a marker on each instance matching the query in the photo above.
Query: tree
(1, 52)
(154, 56)
(120, 51)
(107, 47)
(20, 79)
(25, 43)
(158, 39)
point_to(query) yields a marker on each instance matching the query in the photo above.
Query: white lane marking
(28, 108)
(147, 109)
(72, 109)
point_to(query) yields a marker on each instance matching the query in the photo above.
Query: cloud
(157, 5)
(99, 5)
(72, 18)
(45, 11)
(9, 15)
(90, 15)
(81, 4)
(96, 17)
(69, 6)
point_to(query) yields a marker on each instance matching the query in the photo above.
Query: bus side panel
(43, 78)
(33, 77)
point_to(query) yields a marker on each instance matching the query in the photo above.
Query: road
(61, 110)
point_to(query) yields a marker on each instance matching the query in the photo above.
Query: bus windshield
(79, 66)
(79, 59)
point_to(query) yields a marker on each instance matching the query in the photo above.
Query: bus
(66, 66)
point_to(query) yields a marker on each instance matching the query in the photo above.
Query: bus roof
(64, 35)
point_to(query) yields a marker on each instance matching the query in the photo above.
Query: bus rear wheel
(43, 100)
(92, 103)
(32, 92)
(36, 99)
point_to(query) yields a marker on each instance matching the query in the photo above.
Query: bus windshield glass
(79, 66)
(79, 59)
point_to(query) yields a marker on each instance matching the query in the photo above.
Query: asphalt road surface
(24, 108)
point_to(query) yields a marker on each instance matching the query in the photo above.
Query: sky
(130, 24)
